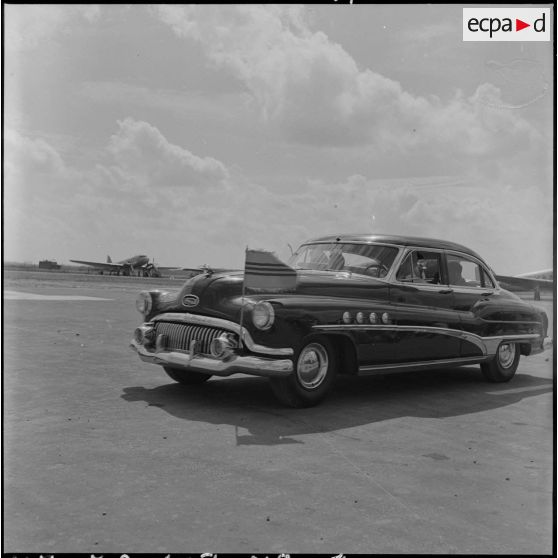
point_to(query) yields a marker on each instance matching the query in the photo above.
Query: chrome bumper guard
(254, 365)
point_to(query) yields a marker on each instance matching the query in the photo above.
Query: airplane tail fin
(109, 259)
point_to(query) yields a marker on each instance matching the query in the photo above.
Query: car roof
(397, 240)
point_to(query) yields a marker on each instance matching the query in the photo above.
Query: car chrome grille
(179, 336)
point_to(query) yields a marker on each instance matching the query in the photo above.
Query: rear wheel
(186, 377)
(315, 369)
(503, 366)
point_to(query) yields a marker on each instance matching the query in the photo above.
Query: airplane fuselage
(135, 261)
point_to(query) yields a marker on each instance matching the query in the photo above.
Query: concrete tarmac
(104, 453)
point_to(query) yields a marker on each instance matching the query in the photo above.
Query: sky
(190, 132)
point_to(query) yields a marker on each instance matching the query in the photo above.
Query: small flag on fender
(264, 270)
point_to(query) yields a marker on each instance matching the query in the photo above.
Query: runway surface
(104, 453)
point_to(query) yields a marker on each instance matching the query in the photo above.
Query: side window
(420, 267)
(466, 272)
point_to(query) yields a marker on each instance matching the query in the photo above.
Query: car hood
(221, 294)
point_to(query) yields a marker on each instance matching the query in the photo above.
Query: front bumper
(254, 365)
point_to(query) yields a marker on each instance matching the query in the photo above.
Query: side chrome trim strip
(187, 318)
(408, 366)
(460, 334)
(488, 345)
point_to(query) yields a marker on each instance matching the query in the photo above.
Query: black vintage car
(361, 304)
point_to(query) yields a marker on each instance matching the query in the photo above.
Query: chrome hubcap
(506, 354)
(312, 366)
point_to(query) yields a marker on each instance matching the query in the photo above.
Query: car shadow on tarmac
(248, 403)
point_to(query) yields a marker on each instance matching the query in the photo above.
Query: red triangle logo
(519, 25)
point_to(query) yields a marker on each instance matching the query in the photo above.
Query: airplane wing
(526, 283)
(101, 265)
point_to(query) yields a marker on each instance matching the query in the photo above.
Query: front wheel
(186, 377)
(315, 369)
(503, 366)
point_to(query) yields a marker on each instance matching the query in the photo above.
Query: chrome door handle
(446, 291)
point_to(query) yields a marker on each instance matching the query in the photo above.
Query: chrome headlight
(144, 302)
(263, 315)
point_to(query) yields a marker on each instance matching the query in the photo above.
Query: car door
(426, 326)
(472, 285)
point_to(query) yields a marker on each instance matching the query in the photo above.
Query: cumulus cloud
(314, 91)
(141, 176)
(31, 156)
(118, 199)
(143, 188)
(144, 155)
(137, 158)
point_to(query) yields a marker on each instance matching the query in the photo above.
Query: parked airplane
(139, 265)
(534, 280)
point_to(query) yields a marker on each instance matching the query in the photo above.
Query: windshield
(374, 260)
